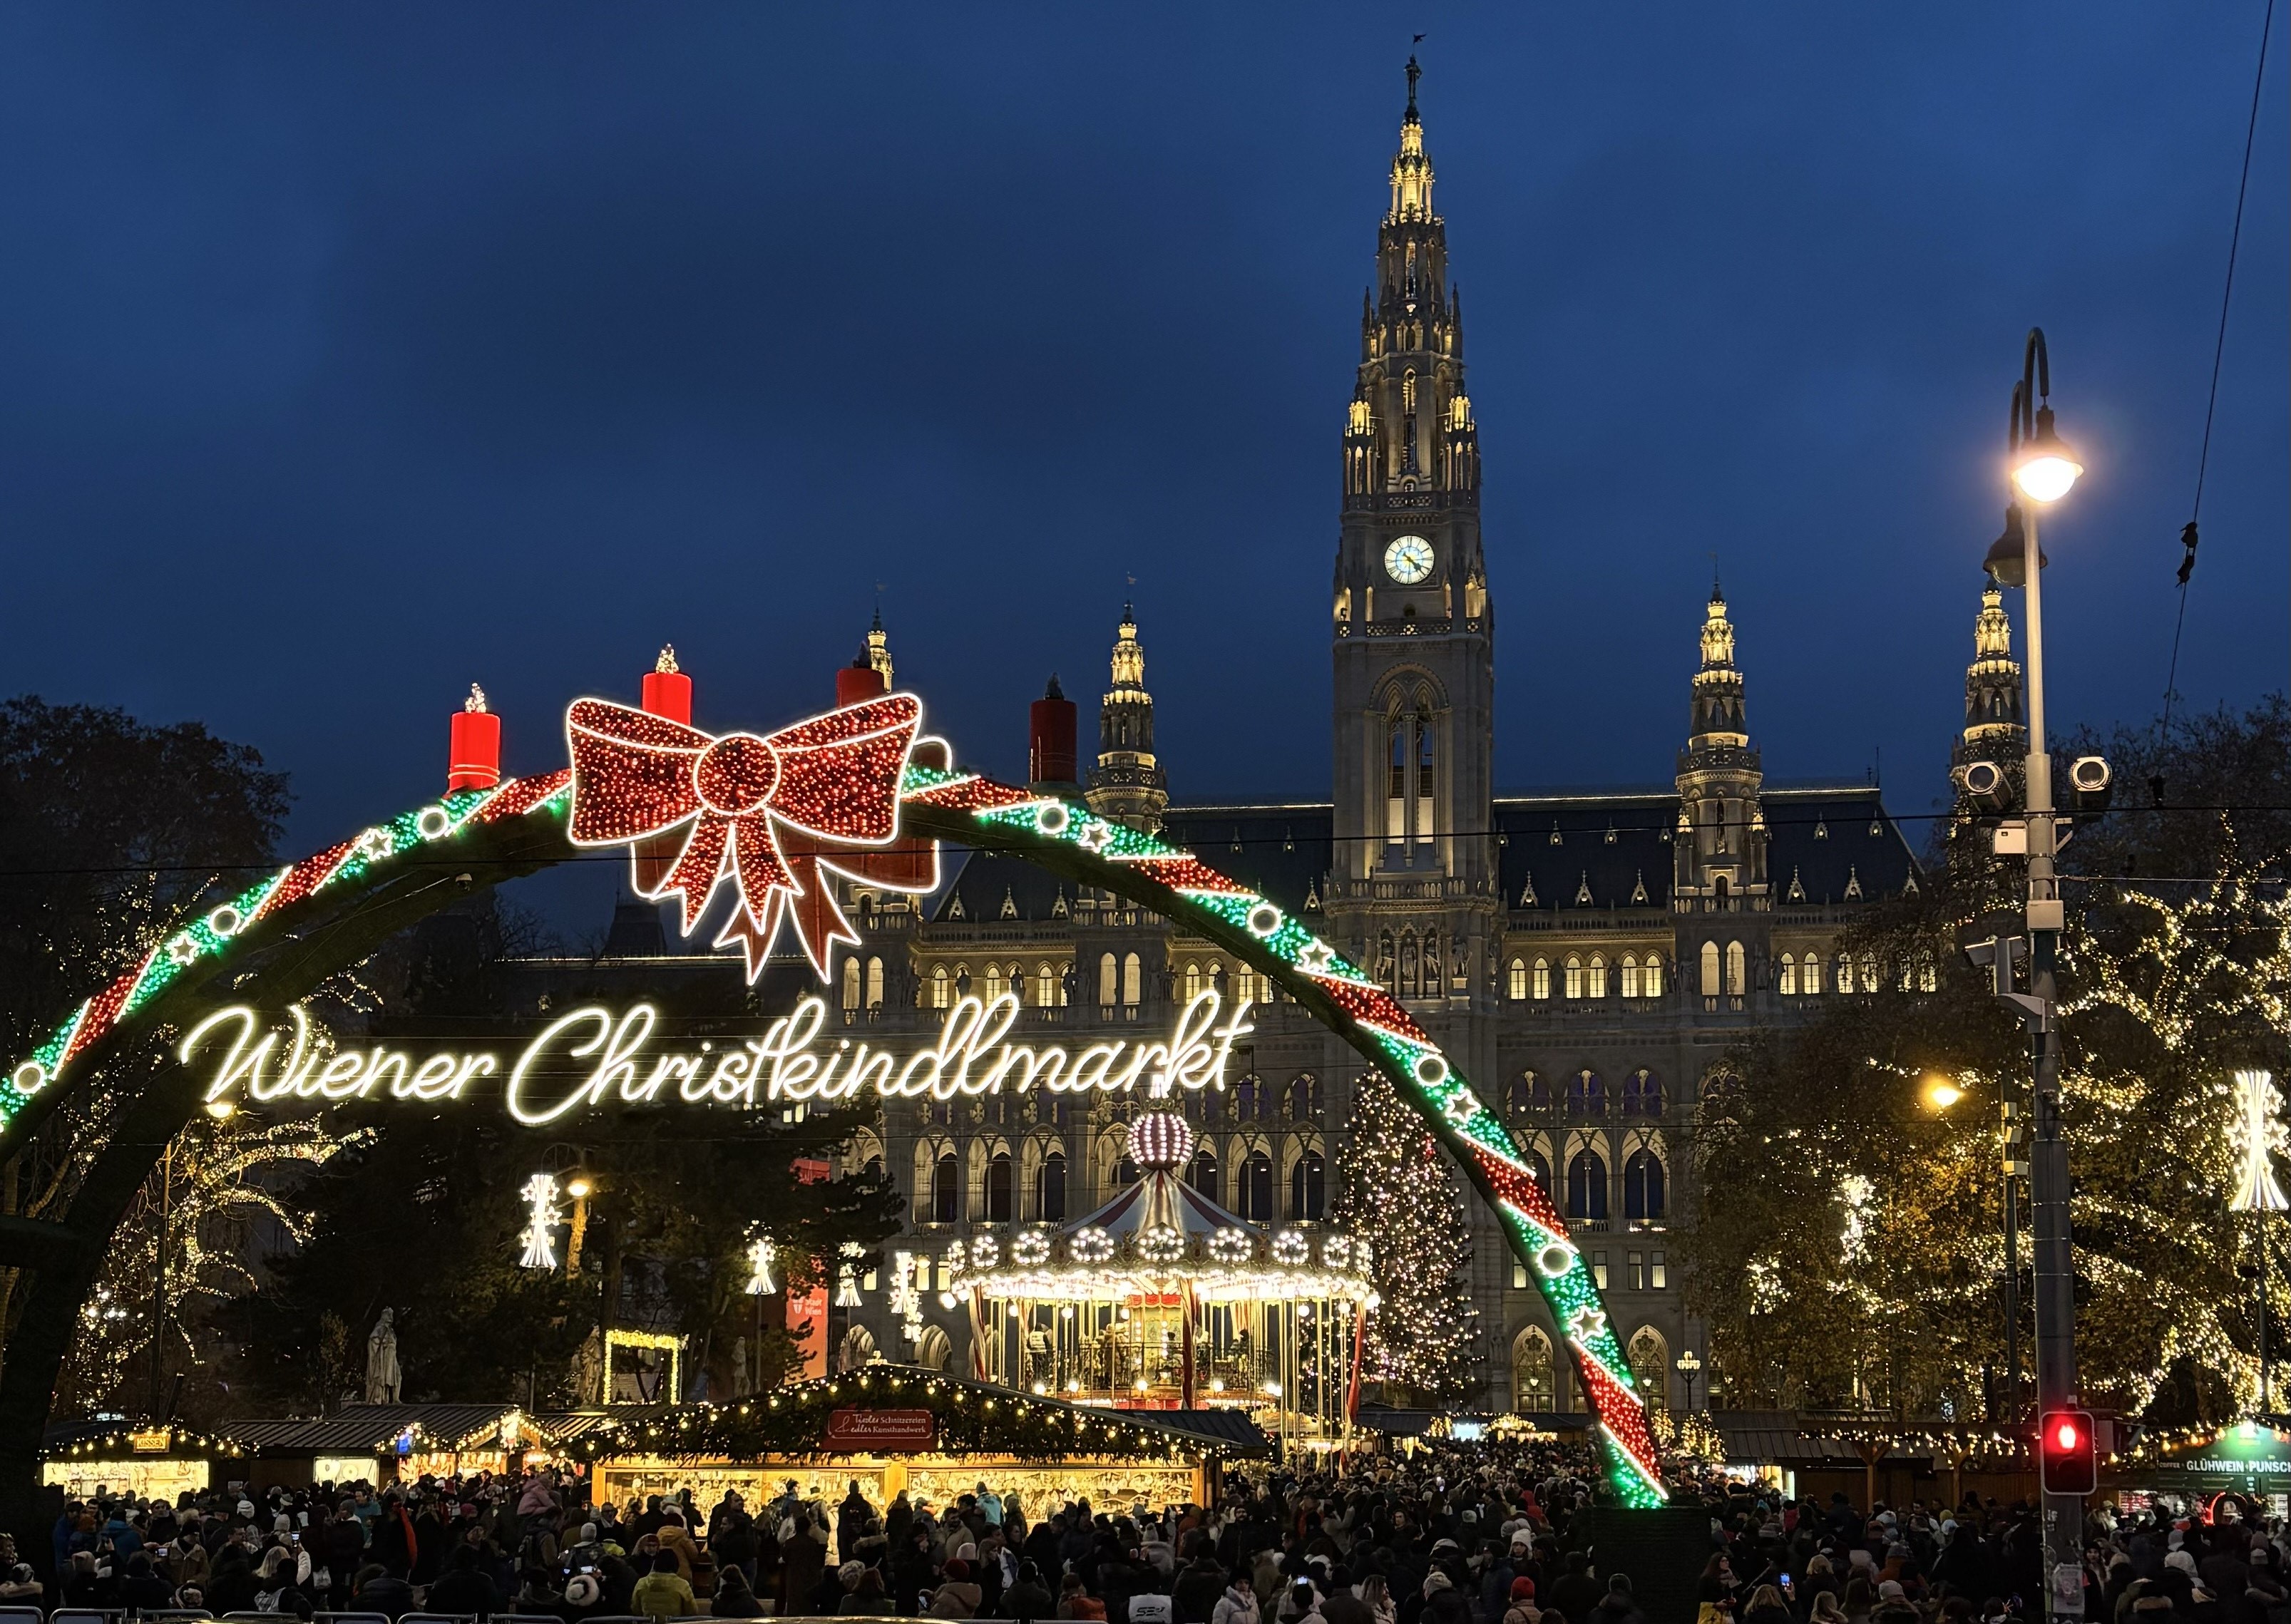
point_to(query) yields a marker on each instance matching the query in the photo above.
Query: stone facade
(1585, 956)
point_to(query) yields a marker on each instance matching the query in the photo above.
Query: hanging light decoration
(761, 1253)
(540, 1237)
(2257, 1135)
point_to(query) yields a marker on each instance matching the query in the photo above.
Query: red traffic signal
(2068, 1459)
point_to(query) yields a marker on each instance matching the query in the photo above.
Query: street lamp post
(1690, 1366)
(2043, 471)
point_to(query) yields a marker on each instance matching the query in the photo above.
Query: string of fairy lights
(1124, 858)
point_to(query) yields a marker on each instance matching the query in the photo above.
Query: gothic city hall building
(1588, 957)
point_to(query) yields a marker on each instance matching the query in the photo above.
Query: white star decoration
(1586, 1322)
(1316, 958)
(1096, 837)
(374, 843)
(182, 950)
(1462, 1106)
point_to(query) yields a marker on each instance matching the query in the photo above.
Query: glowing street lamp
(1941, 1093)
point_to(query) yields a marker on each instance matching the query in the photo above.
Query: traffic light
(2067, 1461)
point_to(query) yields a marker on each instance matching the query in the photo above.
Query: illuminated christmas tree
(1398, 1191)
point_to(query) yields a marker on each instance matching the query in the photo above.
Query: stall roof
(1232, 1430)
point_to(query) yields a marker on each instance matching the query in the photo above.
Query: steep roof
(1597, 849)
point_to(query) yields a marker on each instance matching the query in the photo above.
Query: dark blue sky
(350, 353)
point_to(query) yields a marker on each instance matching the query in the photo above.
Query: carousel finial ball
(1161, 1139)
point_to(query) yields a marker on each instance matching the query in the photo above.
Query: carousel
(1162, 1300)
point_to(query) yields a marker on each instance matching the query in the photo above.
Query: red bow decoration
(774, 811)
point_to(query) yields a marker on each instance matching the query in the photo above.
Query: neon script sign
(593, 1056)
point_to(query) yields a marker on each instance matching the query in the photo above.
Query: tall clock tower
(1415, 890)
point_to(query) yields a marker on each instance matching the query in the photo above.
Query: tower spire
(1995, 729)
(1127, 783)
(1722, 829)
(1414, 74)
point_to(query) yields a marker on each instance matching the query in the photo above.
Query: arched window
(1133, 980)
(1424, 797)
(1193, 980)
(1537, 1170)
(1307, 1186)
(1125, 1172)
(1868, 972)
(1649, 1361)
(1845, 972)
(1109, 981)
(1594, 984)
(939, 988)
(1586, 1095)
(850, 984)
(1532, 1392)
(1573, 987)
(1808, 974)
(874, 984)
(1396, 804)
(1709, 970)
(1046, 985)
(1244, 1098)
(946, 1189)
(1787, 985)
(1050, 1189)
(1643, 1187)
(1650, 976)
(1630, 976)
(995, 985)
(999, 1194)
(1516, 985)
(1522, 1092)
(1586, 1186)
(1540, 986)
(1738, 971)
(1255, 1188)
(1203, 1176)
(1306, 1101)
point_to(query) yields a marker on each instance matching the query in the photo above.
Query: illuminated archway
(276, 941)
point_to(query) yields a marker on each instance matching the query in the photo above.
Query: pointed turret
(1995, 727)
(1411, 428)
(1127, 783)
(1722, 830)
(879, 650)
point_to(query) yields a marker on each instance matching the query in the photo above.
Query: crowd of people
(1779, 1561)
(1474, 1533)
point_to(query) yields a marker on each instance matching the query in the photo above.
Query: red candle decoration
(474, 759)
(1051, 738)
(668, 691)
(857, 683)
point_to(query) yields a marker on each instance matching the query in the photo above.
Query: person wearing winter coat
(1030, 1599)
(1238, 1605)
(377, 1589)
(1520, 1606)
(959, 1598)
(1618, 1607)
(663, 1593)
(1199, 1584)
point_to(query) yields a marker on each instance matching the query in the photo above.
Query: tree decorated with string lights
(1398, 1192)
(1846, 1249)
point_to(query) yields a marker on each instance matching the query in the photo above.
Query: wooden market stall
(156, 1461)
(895, 1428)
(2189, 1472)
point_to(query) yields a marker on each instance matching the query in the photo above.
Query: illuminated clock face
(1408, 560)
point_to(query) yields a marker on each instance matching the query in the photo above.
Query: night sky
(350, 353)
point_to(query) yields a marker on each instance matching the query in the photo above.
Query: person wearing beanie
(1522, 1608)
(958, 1596)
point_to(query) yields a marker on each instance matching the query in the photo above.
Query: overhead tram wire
(1201, 850)
(2187, 535)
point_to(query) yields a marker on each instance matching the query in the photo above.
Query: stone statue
(382, 1377)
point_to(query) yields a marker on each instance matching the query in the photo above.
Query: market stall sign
(593, 1054)
(865, 1431)
(158, 1441)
